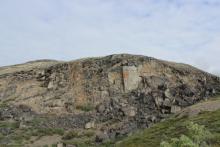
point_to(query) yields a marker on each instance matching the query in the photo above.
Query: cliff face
(127, 90)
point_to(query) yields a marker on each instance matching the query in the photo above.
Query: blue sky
(178, 30)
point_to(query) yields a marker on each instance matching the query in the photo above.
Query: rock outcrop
(115, 94)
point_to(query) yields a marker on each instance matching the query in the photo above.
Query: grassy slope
(174, 127)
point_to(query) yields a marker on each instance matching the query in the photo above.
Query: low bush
(197, 136)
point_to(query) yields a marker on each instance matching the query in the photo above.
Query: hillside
(92, 101)
(175, 126)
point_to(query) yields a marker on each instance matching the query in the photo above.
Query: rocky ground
(95, 100)
(206, 113)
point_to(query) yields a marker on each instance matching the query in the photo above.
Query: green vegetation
(17, 136)
(10, 125)
(80, 138)
(174, 128)
(86, 107)
(88, 133)
(196, 136)
(3, 105)
(48, 131)
(183, 141)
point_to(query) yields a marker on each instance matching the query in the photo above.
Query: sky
(186, 31)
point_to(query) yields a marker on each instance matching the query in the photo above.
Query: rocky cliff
(115, 94)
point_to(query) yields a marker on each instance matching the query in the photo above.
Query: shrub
(197, 136)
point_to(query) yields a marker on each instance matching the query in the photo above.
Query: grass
(48, 132)
(11, 125)
(36, 121)
(81, 138)
(174, 127)
(17, 135)
(20, 136)
(3, 105)
(88, 133)
(85, 108)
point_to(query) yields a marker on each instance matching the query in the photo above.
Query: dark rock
(167, 103)
(100, 108)
(5, 131)
(101, 136)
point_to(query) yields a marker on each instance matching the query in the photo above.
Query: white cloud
(179, 30)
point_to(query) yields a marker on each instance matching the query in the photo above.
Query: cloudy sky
(178, 30)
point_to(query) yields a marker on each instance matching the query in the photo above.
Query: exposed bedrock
(115, 94)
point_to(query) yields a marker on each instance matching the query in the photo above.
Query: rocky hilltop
(114, 95)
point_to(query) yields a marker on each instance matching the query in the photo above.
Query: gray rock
(168, 93)
(6, 131)
(131, 78)
(155, 81)
(22, 125)
(101, 136)
(129, 111)
(158, 101)
(50, 85)
(100, 108)
(175, 109)
(90, 125)
(167, 103)
(60, 145)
